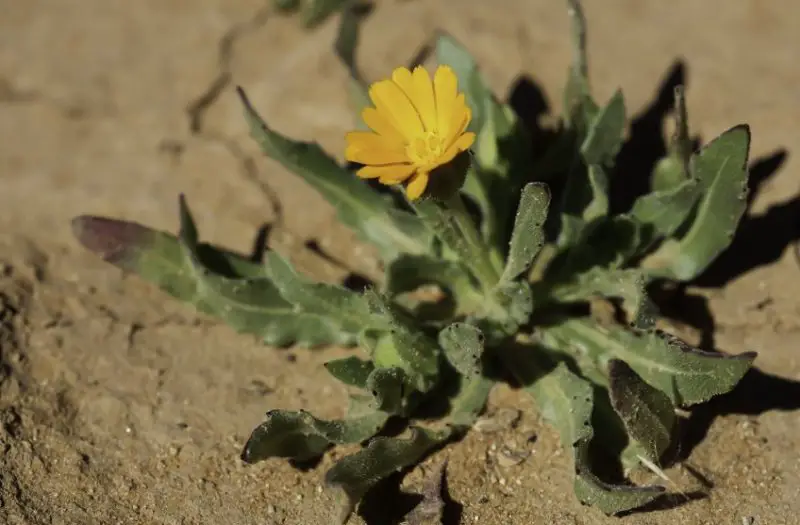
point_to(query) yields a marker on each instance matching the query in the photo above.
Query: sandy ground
(119, 405)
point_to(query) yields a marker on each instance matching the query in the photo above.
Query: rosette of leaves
(608, 387)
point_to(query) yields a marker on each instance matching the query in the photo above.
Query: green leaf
(528, 235)
(467, 405)
(391, 230)
(214, 281)
(301, 437)
(673, 169)
(391, 388)
(647, 413)
(605, 135)
(463, 347)
(579, 107)
(628, 285)
(583, 205)
(409, 272)
(666, 210)
(416, 351)
(611, 499)
(505, 311)
(566, 401)
(351, 371)
(721, 171)
(608, 242)
(686, 374)
(345, 47)
(452, 223)
(357, 473)
(598, 184)
(335, 303)
(500, 151)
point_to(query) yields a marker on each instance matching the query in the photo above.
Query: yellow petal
(391, 174)
(376, 156)
(462, 143)
(381, 125)
(373, 157)
(445, 84)
(402, 77)
(392, 102)
(458, 113)
(417, 185)
(390, 181)
(369, 140)
(368, 148)
(461, 118)
(423, 98)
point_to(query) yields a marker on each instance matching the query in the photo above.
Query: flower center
(425, 150)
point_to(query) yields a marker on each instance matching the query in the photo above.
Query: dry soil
(120, 405)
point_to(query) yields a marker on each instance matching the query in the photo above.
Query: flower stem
(478, 252)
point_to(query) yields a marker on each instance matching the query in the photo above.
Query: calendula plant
(441, 182)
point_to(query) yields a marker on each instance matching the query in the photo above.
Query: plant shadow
(386, 503)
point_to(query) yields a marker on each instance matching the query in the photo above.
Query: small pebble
(502, 419)
(508, 457)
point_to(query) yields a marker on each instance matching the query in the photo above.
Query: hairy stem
(478, 252)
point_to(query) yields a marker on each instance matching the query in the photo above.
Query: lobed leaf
(359, 207)
(217, 282)
(721, 171)
(647, 413)
(609, 498)
(528, 236)
(348, 309)
(566, 401)
(301, 436)
(357, 473)
(686, 374)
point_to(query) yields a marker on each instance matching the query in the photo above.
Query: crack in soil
(197, 109)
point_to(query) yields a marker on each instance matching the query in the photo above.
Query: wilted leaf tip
(115, 241)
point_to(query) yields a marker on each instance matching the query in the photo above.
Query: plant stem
(477, 250)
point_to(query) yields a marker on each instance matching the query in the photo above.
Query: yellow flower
(417, 125)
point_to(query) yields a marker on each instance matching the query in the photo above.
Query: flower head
(418, 125)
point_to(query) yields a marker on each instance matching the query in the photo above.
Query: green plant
(511, 277)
